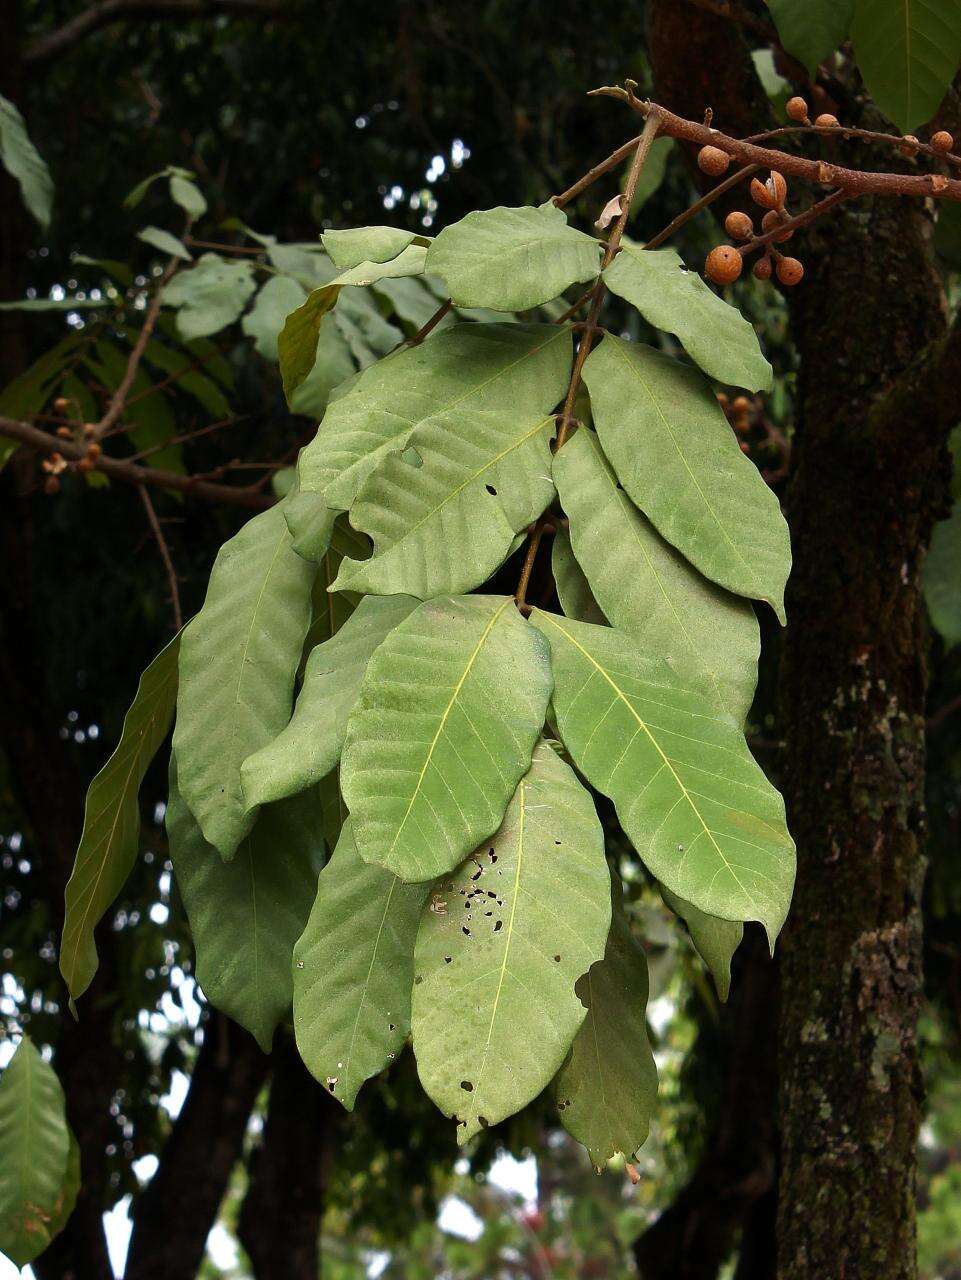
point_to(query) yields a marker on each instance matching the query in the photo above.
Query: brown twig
(708, 198)
(431, 324)
(865, 135)
(186, 437)
(130, 473)
(598, 171)
(800, 220)
(164, 550)
(854, 181)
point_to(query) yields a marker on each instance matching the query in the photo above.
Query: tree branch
(108, 12)
(130, 473)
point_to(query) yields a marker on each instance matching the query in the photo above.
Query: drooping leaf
(355, 245)
(354, 969)
(443, 515)
(188, 195)
(607, 1088)
(461, 372)
(942, 577)
(813, 30)
(450, 708)
(210, 296)
(647, 588)
(689, 794)
(908, 52)
(512, 259)
(265, 319)
(110, 840)
(310, 746)
(671, 298)
(499, 951)
(157, 238)
(333, 365)
(297, 344)
(23, 161)
(573, 589)
(238, 660)
(715, 940)
(34, 1151)
(245, 915)
(674, 452)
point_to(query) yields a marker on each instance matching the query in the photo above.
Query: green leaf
(670, 297)
(942, 577)
(367, 244)
(412, 301)
(647, 588)
(353, 971)
(110, 840)
(34, 1150)
(363, 325)
(188, 195)
(512, 259)
(265, 319)
(573, 589)
(499, 951)
(311, 523)
(689, 795)
(133, 198)
(297, 344)
(245, 915)
(607, 1088)
(165, 242)
(443, 514)
(188, 379)
(238, 660)
(450, 708)
(812, 30)
(57, 304)
(333, 364)
(23, 161)
(148, 409)
(908, 52)
(30, 390)
(652, 175)
(676, 456)
(210, 295)
(715, 940)
(464, 372)
(310, 746)
(69, 1190)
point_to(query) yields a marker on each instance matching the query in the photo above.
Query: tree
(411, 482)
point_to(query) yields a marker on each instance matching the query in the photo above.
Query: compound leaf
(676, 456)
(110, 839)
(354, 969)
(450, 708)
(245, 915)
(512, 259)
(670, 297)
(507, 936)
(310, 746)
(239, 657)
(689, 795)
(647, 588)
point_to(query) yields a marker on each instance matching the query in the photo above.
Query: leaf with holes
(715, 940)
(607, 1088)
(110, 840)
(498, 954)
(688, 793)
(674, 452)
(908, 53)
(459, 374)
(310, 746)
(670, 297)
(238, 660)
(512, 259)
(34, 1154)
(245, 915)
(450, 708)
(647, 588)
(354, 969)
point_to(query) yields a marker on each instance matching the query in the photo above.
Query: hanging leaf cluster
(386, 764)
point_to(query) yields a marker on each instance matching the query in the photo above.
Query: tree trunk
(173, 1216)
(868, 483)
(280, 1220)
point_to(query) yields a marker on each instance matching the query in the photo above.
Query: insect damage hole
(467, 1086)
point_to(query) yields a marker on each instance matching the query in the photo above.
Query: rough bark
(868, 483)
(696, 1234)
(173, 1216)
(280, 1220)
